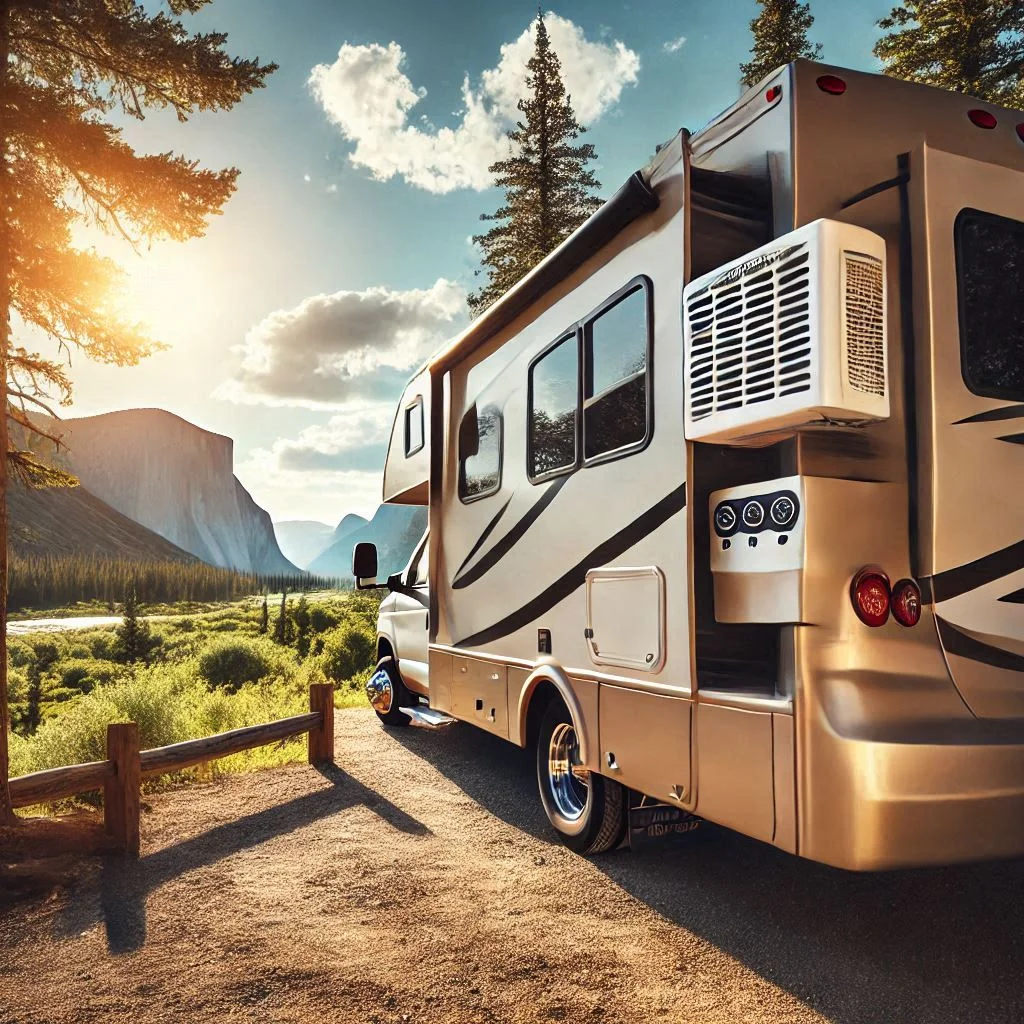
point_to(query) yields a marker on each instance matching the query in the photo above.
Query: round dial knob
(783, 511)
(725, 517)
(753, 514)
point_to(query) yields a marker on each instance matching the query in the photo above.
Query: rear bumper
(952, 798)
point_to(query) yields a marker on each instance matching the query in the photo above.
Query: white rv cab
(720, 494)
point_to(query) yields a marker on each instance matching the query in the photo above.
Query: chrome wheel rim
(379, 692)
(568, 780)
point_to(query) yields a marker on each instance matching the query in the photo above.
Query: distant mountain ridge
(177, 480)
(395, 529)
(301, 540)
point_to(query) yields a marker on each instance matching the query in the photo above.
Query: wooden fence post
(321, 737)
(121, 793)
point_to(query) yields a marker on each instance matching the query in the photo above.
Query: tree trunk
(6, 812)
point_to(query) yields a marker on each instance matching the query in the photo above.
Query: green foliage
(135, 641)
(974, 47)
(780, 36)
(548, 187)
(348, 649)
(264, 616)
(230, 662)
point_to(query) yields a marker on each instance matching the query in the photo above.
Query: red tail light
(869, 593)
(832, 84)
(982, 118)
(906, 603)
(773, 93)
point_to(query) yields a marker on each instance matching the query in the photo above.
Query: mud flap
(649, 819)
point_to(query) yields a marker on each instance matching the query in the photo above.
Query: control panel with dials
(757, 551)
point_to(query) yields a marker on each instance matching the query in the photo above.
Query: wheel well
(384, 648)
(544, 693)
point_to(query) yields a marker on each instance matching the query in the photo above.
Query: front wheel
(387, 693)
(587, 810)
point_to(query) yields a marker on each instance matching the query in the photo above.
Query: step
(428, 718)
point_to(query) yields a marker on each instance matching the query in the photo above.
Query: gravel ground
(419, 882)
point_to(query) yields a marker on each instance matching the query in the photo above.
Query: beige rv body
(759, 701)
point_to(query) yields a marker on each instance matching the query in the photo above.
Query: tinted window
(615, 408)
(554, 396)
(414, 427)
(480, 468)
(990, 274)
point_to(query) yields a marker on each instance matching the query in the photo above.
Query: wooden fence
(120, 775)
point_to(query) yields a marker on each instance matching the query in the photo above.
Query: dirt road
(420, 883)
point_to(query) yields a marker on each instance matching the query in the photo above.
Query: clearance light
(982, 118)
(906, 603)
(832, 84)
(773, 93)
(869, 593)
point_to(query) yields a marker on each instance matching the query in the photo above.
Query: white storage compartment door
(626, 617)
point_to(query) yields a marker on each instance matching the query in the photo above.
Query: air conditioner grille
(750, 335)
(864, 323)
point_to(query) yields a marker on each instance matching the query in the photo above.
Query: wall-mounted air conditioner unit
(790, 335)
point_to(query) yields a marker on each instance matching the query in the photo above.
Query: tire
(589, 816)
(387, 693)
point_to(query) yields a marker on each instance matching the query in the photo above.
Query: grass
(209, 671)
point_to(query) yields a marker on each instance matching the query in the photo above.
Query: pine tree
(969, 46)
(281, 626)
(548, 188)
(264, 617)
(134, 637)
(300, 616)
(64, 66)
(780, 36)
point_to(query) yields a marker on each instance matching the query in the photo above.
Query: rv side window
(990, 279)
(553, 402)
(414, 428)
(616, 397)
(480, 454)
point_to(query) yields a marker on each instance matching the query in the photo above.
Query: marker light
(906, 603)
(982, 118)
(869, 593)
(832, 84)
(773, 93)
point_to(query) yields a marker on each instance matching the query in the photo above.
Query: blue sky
(344, 256)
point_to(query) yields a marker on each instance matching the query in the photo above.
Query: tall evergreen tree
(548, 188)
(780, 36)
(264, 617)
(134, 637)
(970, 46)
(65, 65)
(281, 626)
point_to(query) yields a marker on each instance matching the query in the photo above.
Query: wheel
(387, 693)
(587, 810)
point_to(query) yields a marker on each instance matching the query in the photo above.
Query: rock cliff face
(176, 479)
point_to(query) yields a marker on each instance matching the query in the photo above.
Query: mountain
(177, 480)
(395, 529)
(349, 524)
(71, 521)
(302, 540)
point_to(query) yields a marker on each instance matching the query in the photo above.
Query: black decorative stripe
(882, 186)
(418, 594)
(953, 582)
(964, 646)
(483, 536)
(1013, 438)
(503, 546)
(1017, 597)
(1006, 412)
(573, 579)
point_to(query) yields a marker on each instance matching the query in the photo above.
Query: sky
(345, 255)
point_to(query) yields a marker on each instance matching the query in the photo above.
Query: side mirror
(364, 565)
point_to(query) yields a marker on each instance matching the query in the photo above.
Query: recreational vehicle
(725, 496)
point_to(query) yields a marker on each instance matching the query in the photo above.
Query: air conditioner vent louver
(865, 323)
(790, 335)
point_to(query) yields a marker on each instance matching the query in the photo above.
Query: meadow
(186, 676)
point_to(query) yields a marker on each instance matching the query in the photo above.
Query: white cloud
(371, 99)
(330, 349)
(674, 45)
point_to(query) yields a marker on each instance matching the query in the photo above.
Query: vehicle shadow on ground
(124, 884)
(936, 945)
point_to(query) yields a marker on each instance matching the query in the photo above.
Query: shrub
(84, 673)
(104, 645)
(231, 662)
(348, 650)
(19, 654)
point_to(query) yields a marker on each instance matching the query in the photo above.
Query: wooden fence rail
(121, 774)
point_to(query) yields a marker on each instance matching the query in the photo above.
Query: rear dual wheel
(587, 810)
